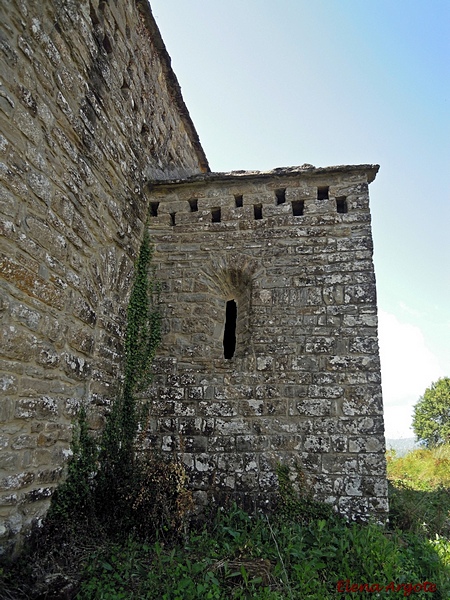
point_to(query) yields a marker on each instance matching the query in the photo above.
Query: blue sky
(328, 82)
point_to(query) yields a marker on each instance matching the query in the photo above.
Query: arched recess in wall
(230, 281)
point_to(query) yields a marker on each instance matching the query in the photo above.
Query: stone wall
(293, 249)
(89, 110)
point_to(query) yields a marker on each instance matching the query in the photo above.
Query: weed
(250, 556)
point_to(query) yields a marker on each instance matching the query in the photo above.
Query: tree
(431, 421)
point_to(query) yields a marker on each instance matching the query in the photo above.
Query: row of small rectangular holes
(298, 206)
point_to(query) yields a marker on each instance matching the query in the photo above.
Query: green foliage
(143, 325)
(419, 499)
(419, 491)
(422, 469)
(426, 512)
(142, 339)
(74, 497)
(431, 420)
(121, 490)
(243, 556)
(121, 473)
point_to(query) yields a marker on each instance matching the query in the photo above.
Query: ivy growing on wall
(114, 486)
(144, 324)
(141, 342)
(118, 472)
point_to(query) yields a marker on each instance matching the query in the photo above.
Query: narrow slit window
(193, 203)
(322, 192)
(298, 207)
(154, 209)
(172, 218)
(281, 196)
(257, 210)
(239, 200)
(341, 205)
(229, 334)
(215, 215)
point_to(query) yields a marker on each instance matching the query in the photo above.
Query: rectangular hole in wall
(172, 218)
(298, 207)
(257, 211)
(154, 209)
(239, 200)
(322, 192)
(193, 203)
(341, 204)
(215, 215)
(229, 334)
(281, 195)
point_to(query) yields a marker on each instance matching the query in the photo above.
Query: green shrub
(423, 469)
(253, 556)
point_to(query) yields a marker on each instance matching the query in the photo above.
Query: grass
(251, 557)
(299, 552)
(419, 486)
(422, 469)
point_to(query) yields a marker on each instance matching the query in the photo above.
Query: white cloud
(408, 310)
(408, 367)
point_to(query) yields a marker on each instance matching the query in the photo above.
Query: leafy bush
(295, 553)
(299, 504)
(74, 497)
(244, 556)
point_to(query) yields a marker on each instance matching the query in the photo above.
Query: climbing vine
(144, 324)
(141, 341)
(119, 474)
(113, 486)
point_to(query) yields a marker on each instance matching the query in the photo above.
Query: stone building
(269, 350)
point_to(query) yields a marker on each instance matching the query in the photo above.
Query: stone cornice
(281, 172)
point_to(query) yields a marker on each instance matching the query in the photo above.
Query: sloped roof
(172, 81)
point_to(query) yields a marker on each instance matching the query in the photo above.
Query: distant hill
(402, 446)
